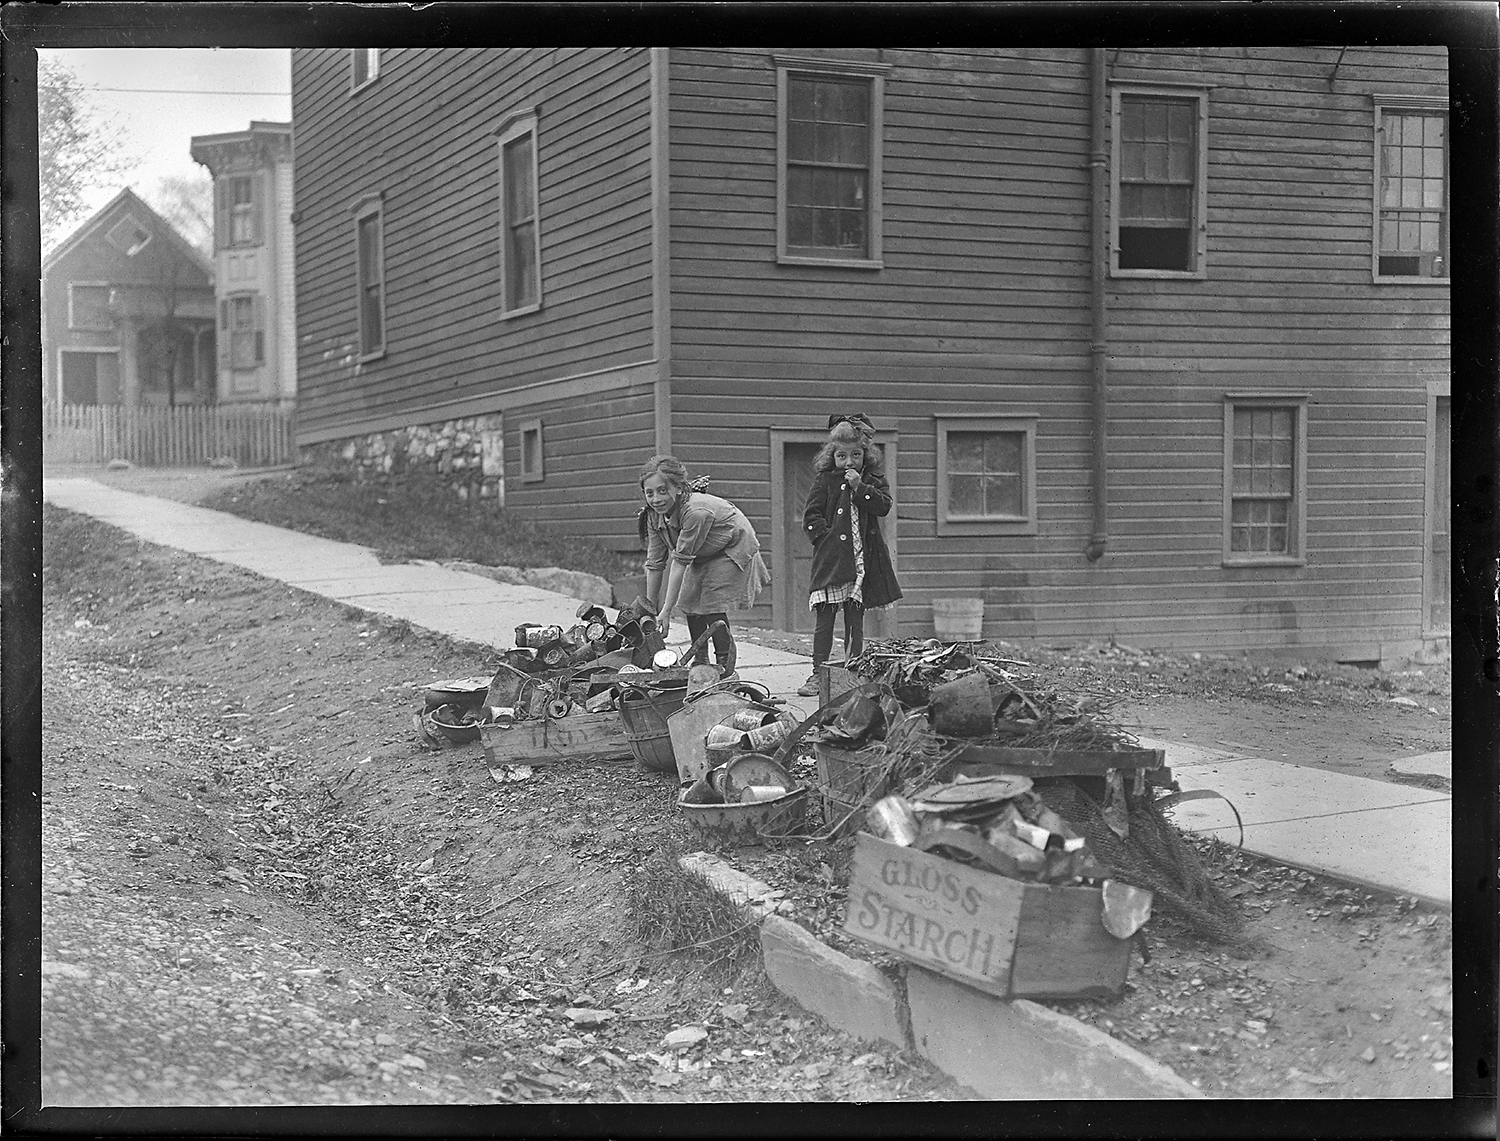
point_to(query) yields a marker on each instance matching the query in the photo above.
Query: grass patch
(413, 518)
(675, 912)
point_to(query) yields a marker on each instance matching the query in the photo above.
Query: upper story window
(88, 306)
(369, 241)
(520, 234)
(986, 475)
(128, 236)
(239, 209)
(1265, 470)
(829, 159)
(1159, 200)
(364, 67)
(1411, 190)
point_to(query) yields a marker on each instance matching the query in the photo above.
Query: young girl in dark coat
(851, 567)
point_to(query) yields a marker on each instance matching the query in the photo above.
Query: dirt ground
(249, 847)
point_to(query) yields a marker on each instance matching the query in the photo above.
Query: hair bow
(699, 484)
(856, 418)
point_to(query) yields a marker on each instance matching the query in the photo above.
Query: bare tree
(76, 151)
(164, 334)
(186, 201)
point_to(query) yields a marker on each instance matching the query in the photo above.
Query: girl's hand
(851, 477)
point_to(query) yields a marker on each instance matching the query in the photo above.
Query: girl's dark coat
(826, 518)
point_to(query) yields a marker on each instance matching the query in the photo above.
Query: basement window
(532, 469)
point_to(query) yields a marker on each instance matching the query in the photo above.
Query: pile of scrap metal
(550, 673)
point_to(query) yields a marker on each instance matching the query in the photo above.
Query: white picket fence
(190, 435)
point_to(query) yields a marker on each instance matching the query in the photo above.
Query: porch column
(130, 368)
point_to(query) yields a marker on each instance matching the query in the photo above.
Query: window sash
(828, 154)
(520, 234)
(1264, 471)
(1158, 172)
(1412, 193)
(364, 67)
(246, 338)
(986, 475)
(370, 273)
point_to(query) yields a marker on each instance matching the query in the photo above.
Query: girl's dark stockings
(854, 630)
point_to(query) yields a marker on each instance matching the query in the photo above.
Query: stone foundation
(467, 454)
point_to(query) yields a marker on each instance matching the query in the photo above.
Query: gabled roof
(133, 200)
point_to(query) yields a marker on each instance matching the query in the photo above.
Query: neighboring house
(1157, 340)
(253, 256)
(127, 312)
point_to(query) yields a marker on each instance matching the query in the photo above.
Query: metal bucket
(746, 824)
(690, 725)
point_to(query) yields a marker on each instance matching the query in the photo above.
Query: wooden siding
(423, 135)
(592, 452)
(983, 306)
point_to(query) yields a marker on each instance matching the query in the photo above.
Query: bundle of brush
(1007, 710)
(1151, 853)
(911, 667)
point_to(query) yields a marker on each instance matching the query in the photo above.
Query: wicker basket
(644, 715)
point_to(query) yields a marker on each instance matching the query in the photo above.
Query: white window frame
(72, 313)
(1297, 513)
(1025, 523)
(1421, 105)
(371, 57)
(371, 205)
(1198, 271)
(874, 74)
(516, 126)
(538, 472)
(132, 250)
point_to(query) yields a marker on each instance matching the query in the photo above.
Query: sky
(157, 99)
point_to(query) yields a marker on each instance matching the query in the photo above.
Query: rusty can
(726, 737)
(760, 793)
(767, 737)
(747, 719)
(892, 819)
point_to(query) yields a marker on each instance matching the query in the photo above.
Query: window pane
(1132, 161)
(857, 103)
(1281, 423)
(851, 231)
(825, 228)
(799, 98)
(799, 186)
(1407, 233)
(521, 266)
(369, 242)
(1156, 161)
(1281, 481)
(799, 141)
(852, 148)
(965, 452)
(1429, 237)
(825, 183)
(1132, 120)
(1432, 193)
(1002, 452)
(1179, 163)
(826, 142)
(1411, 130)
(1002, 495)
(799, 225)
(518, 201)
(965, 494)
(1155, 126)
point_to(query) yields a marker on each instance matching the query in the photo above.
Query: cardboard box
(1003, 936)
(539, 741)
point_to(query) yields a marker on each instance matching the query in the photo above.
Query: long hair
(850, 434)
(671, 469)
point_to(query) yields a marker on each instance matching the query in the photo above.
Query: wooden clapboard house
(1157, 340)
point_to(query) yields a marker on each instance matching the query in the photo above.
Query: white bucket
(958, 619)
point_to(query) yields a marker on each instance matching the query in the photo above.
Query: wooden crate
(576, 737)
(1003, 936)
(834, 680)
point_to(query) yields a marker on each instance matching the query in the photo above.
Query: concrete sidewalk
(1384, 835)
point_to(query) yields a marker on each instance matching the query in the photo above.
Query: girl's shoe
(810, 687)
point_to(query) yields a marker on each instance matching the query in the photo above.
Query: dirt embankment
(258, 889)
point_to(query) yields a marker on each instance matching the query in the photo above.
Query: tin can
(891, 818)
(726, 737)
(767, 737)
(760, 793)
(747, 719)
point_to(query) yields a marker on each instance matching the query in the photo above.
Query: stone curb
(1002, 1049)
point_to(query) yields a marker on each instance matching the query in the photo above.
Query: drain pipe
(1098, 343)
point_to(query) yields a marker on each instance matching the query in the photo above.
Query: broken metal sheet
(1126, 908)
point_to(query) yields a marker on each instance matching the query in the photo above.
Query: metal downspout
(1098, 339)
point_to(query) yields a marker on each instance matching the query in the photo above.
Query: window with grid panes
(828, 165)
(1157, 180)
(1412, 193)
(243, 221)
(1263, 485)
(986, 475)
(247, 341)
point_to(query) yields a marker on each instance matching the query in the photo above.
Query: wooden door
(792, 453)
(1437, 580)
(796, 478)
